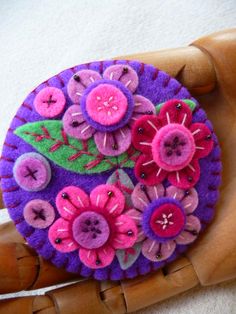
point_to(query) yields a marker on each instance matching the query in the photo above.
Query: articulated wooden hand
(208, 69)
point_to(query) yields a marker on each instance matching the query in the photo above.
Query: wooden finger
(22, 269)
(9, 234)
(90, 296)
(28, 305)
(1, 200)
(191, 66)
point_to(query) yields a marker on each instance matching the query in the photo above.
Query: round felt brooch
(110, 169)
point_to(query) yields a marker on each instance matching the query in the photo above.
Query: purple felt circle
(128, 114)
(91, 230)
(39, 214)
(152, 213)
(32, 172)
(173, 147)
(155, 85)
(167, 220)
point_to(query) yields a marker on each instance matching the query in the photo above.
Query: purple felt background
(156, 86)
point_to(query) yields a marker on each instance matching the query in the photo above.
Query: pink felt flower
(171, 146)
(164, 219)
(94, 225)
(105, 107)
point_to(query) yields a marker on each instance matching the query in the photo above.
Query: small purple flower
(105, 107)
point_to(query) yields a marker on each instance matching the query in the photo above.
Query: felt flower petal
(136, 216)
(156, 251)
(123, 73)
(190, 232)
(70, 201)
(108, 197)
(79, 82)
(59, 235)
(175, 111)
(113, 143)
(75, 125)
(142, 195)
(203, 139)
(190, 201)
(142, 106)
(186, 177)
(174, 192)
(97, 258)
(125, 234)
(148, 172)
(143, 132)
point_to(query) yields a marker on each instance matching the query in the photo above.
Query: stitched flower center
(106, 104)
(167, 220)
(173, 147)
(90, 230)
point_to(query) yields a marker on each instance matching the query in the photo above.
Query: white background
(39, 38)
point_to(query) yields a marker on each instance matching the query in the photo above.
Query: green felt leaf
(121, 180)
(48, 138)
(189, 102)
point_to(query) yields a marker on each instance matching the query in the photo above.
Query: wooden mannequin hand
(208, 69)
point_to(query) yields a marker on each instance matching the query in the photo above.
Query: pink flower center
(106, 104)
(167, 220)
(90, 230)
(173, 147)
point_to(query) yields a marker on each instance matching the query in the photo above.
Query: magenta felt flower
(105, 107)
(94, 225)
(164, 219)
(171, 145)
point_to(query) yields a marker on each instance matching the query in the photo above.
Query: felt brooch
(110, 169)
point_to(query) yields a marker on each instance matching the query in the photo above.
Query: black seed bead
(125, 70)
(130, 233)
(208, 137)
(143, 187)
(142, 175)
(65, 195)
(98, 262)
(190, 179)
(110, 193)
(76, 78)
(194, 232)
(75, 124)
(187, 192)
(114, 147)
(158, 255)
(178, 106)
(140, 130)
(58, 241)
(149, 112)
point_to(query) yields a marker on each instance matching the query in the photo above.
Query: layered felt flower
(94, 225)
(164, 219)
(171, 146)
(105, 107)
